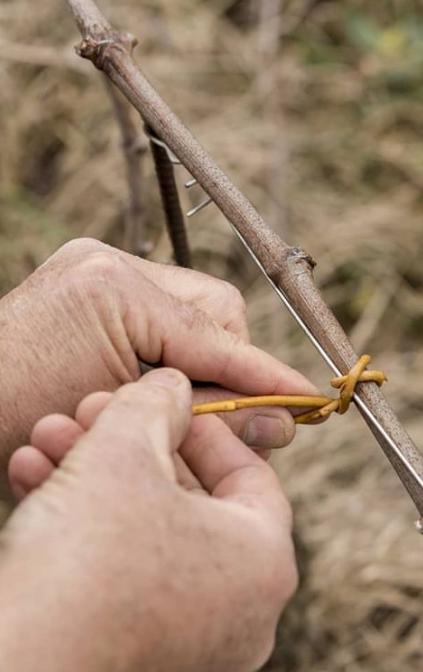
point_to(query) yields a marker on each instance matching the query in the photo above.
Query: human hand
(83, 319)
(111, 565)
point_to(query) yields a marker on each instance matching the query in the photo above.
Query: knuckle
(290, 431)
(236, 311)
(101, 264)
(235, 299)
(84, 260)
(280, 581)
(287, 511)
(279, 587)
(284, 580)
(291, 581)
(97, 274)
(264, 649)
(81, 246)
(93, 276)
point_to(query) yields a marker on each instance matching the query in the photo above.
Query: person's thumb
(141, 426)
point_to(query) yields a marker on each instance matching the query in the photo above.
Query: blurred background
(314, 108)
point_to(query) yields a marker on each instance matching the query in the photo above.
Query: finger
(184, 337)
(231, 471)
(186, 479)
(260, 428)
(205, 292)
(264, 454)
(54, 435)
(90, 408)
(142, 425)
(28, 469)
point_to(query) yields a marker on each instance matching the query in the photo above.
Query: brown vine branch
(289, 268)
(134, 149)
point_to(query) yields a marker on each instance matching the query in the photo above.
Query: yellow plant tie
(318, 406)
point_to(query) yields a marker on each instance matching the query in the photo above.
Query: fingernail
(265, 431)
(166, 377)
(18, 491)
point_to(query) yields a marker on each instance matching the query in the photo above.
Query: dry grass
(314, 112)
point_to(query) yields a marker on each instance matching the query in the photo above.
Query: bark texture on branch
(134, 149)
(90, 21)
(289, 268)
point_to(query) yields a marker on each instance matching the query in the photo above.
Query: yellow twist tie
(319, 406)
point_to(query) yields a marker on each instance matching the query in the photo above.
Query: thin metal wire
(359, 402)
(191, 183)
(362, 405)
(191, 213)
(411, 471)
(199, 207)
(176, 162)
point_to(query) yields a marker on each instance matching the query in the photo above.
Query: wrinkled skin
(148, 540)
(81, 322)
